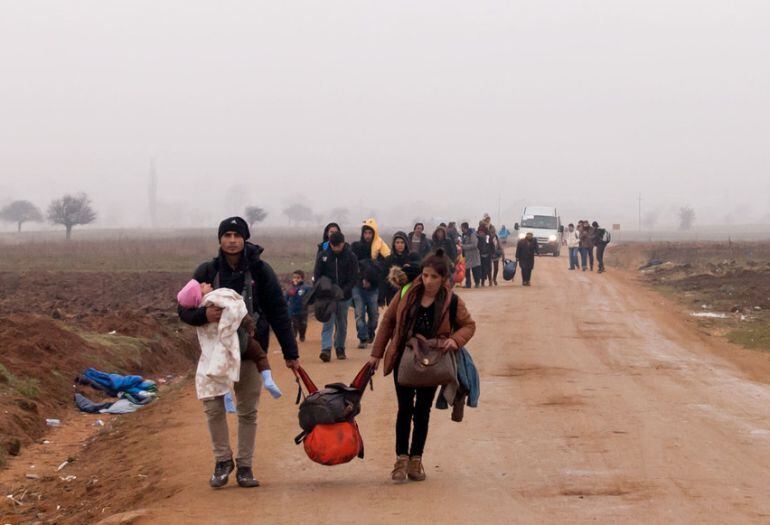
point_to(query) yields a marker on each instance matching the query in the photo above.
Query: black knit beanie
(234, 224)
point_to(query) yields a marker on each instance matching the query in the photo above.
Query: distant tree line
(69, 211)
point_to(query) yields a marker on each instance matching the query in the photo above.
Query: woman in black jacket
(401, 257)
(442, 240)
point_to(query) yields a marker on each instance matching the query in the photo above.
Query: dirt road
(599, 403)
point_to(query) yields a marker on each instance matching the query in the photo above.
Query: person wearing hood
(400, 257)
(470, 247)
(418, 241)
(239, 267)
(371, 252)
(441, 240)
(328, 230)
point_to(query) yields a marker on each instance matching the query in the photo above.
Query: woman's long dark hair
(439, 262)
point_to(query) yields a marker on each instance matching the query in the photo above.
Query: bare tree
(298, 213)
(339, 215)
(255, 214)
(70, 211)
(686, 218)
(21, 212)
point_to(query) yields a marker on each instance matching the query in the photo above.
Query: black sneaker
(302, 339)
(326, 355)
(341, 354)
(222, 471)
(245, 478)
(362, 345)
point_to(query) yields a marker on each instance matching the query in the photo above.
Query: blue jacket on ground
(114, 383)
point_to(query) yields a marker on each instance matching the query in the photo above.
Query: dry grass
(175, 253)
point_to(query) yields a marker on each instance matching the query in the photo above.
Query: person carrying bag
(417, 339)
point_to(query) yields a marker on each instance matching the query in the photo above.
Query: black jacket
(450, 249)
(269, 302)
(341, 268)
(368, 269)
(526, 251)
(485, 244)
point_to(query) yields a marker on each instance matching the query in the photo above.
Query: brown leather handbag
(424, 364)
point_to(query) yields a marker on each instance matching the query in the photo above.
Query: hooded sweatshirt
(445, 243)
(371, 255)
(379, 247)
(400, 260)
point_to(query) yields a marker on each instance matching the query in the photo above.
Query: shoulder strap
(405, 289)
(453, 311)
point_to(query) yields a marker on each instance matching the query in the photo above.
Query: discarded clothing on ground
(469, 390)
(133, 392)
(121, 406)
(112, 384)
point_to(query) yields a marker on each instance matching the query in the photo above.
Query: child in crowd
(193, 295)
(298, 310)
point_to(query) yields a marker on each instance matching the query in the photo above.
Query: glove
(267, 377)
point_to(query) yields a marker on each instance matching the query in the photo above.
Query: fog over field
(428, 109)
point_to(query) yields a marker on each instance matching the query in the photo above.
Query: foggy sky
(429, 108)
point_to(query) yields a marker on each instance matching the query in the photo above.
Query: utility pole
(640, 212)
(152, 194)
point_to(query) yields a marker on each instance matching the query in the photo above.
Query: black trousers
(476, 272)
(600, 256)
(526, 273)
(486, 268)
(591, 257)
(299, 325)
(414, 406)
(495, 269)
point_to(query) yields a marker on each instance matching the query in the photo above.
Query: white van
(545, 225)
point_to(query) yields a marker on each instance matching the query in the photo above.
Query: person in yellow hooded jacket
(371, 252)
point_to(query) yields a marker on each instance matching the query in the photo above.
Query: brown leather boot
(399, 469)
(414, 470)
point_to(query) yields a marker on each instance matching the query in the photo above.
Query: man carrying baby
(240, 268)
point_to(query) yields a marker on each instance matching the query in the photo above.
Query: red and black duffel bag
(330, 434)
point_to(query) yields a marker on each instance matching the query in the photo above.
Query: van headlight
(552, 238)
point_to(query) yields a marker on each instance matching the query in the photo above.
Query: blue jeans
(339, 319)
(365, 303)
(573, 258)
(584, 257)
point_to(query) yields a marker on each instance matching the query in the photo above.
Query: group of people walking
(362, 270)
(414, 276)
(589, 241)
(424, 307)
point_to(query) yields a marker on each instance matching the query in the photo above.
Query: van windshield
(543, 222)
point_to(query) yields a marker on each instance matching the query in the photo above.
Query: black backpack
(334, 403)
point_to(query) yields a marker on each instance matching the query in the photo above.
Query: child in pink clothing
(192, 295)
